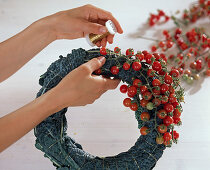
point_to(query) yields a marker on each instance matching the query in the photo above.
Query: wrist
(50, 103)
(55, 101)
(45, 27)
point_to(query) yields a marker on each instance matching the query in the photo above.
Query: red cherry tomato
(153, 48)
(156, 82)
(143, 102)
(140, 56)
(165, 32)
(143, 89)
(156, 92)
(167, 143)
(156, 66)
(129, 51)
(134, 106)
(145, 116)
(162, 73)
(161, 13)
(171, 90)
(145, 52)
(177, 120)
(126, 66)
(175, 104)
(103, 51)
(163, 56)
(172, 99)
(127, 102)
(147, 95)
(168, 107)
(123, 88)
(144, 130)
(156, 101)
(98, 71)
(169, 44)
(198, 65)
(168, 79)
(116, 49)
(175, 134)
(150, 72)
(157, 56)
(149, 58)
(162, 114)
(137, 83)
(168, 120)
(162, 128)
(136, 66)
(176, 113)
(114, 70)
(193, 65)
(178, 31)
(167, 136)
(164, 99)
(132, 91)
(174, 72)
(161, 44)
(164, 88)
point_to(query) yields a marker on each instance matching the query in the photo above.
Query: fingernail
(103, 30)
(101, 59)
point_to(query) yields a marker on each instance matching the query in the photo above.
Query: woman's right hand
(80, 87)
(77, 22)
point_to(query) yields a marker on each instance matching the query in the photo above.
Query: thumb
(95, 63)
(94, 28)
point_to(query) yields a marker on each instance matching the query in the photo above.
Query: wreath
(153, 92)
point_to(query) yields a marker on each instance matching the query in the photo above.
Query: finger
(98, 44)
(105, 15)
(102, 92)
(103, 42)
(90, 27)
(110, 84)
(94, 64)
(102, 22)
(110, 38)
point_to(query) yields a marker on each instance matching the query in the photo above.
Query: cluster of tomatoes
(191, 38)
(192, 46)
(192, 57)
(197, 10)
(160, 92)
(156, 18)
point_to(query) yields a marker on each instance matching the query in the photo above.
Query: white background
(105, 127)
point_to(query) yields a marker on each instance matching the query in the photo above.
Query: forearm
(16, 124)
(21, 48)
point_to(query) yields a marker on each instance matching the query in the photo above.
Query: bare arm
(78, 88)
(18, 50)
(70, 24)
(16, 124)
(85, 89)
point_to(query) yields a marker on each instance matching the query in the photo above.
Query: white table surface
(103, 128)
